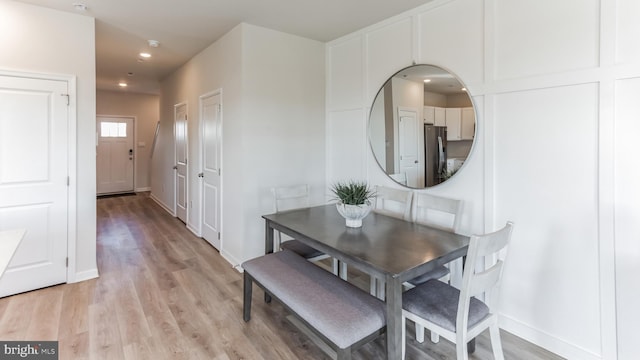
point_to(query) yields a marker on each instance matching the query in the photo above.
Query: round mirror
(422, 126)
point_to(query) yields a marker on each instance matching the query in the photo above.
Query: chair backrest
(476, 282)
(290, 197)
(400, 178)
(393, 202)
(443, 213)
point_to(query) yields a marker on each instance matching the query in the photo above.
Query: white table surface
(9, 241)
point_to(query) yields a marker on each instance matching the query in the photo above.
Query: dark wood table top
(384, 246)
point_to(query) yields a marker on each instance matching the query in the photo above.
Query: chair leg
(246, 305)
(496, 344)
(419, 333)
(343, 270)
(404, 336)
(435, 338)
(461, 350)
(373, 286)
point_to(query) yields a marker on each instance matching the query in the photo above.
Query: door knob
(175, 167)
(201, 175)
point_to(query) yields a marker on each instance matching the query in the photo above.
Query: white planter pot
(353, 214)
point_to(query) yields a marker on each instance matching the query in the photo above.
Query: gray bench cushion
(437, 302)
(335, 308)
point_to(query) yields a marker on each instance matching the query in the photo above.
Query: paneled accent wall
(556, 89)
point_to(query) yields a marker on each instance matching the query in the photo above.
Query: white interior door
(33, 180)
(181, 161)
(211, 115)
(115, 157)
(408, 145)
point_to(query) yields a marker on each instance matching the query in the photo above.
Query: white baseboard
(162, 204)
(85, 275)
(195, 231)
(547, 341)
(231, 260)
(142, 189)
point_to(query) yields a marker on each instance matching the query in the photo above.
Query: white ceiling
(185, 27)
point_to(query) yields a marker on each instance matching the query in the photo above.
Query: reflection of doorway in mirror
(408, 145)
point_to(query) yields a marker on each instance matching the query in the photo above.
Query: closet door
(34, 180)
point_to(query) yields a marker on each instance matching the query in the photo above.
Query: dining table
(388, 249)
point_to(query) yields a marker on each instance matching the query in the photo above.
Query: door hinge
(68, 97)
(67, 262)
(218, 236)
(68, 181)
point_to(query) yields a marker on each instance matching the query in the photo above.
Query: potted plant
(354, 201)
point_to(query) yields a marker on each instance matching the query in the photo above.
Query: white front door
(211, 115)
(181, 160)
(408, 145)
(114, 162)
(33, 179)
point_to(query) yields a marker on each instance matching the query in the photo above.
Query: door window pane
(113, 129)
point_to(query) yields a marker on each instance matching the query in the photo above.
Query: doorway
(115, 155)
(180, 168)
(211, 140)
(37, 158)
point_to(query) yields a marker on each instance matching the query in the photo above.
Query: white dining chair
(289, 198)
(443, 213)
(459, 315)
(395, 203)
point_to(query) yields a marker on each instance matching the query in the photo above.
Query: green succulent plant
(352, 192)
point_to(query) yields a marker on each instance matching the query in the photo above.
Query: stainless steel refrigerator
(435, 154)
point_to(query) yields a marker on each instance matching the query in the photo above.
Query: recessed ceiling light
(145, 55)
(153, 43)
(122, 84)
(130, 74)
(427, 80)
(80, 6)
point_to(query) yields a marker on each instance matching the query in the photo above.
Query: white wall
(555, 88)
(38, 40)
(273, 128)
(144, 108)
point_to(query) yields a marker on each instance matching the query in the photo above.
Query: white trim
(86, 275)
(162, 204)
(545, 340)
(72, 170)
(235, 263)
(143, 189)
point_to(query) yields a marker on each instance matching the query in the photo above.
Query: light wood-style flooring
(163, 293)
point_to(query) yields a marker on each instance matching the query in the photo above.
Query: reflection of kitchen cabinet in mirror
(460, 122)
(426, 154)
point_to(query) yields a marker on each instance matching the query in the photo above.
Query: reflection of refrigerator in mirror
(435, 154)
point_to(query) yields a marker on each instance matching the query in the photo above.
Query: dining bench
(339, 313)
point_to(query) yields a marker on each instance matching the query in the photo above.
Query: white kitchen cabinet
(429, 114)
(453, 118)
(468, 126)
(439, 117)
